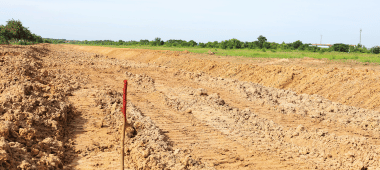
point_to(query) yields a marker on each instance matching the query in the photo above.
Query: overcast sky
(200, 20)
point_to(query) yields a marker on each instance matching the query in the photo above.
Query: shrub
(341, 47)
(192, 43)
(266, 45)
(376, 50)
(223, 44)
(233, 44)
(297, 44)
(209, 45)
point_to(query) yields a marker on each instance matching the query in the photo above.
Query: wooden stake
(125, 121)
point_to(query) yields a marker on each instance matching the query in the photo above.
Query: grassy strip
(258, 53)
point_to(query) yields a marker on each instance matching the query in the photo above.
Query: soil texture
(60, 108)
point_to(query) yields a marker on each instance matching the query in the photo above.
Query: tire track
(204, 141)
(278, 128)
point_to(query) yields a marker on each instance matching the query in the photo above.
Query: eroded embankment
(350, 86)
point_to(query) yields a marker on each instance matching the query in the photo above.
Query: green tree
(297, 44)
(223, 44)
(14, 30)
(157, 42)
(215, 44)
(209, 45)
(192, 43)
(202, 45)
(261, 41)
(144, 42)
(376, 50)
(121, 42)
(266, 45)
(340, 47)
(4, 35)
(184, 44)
(234, 44)
(37, 39)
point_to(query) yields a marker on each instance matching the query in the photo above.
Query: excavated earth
(60, 108)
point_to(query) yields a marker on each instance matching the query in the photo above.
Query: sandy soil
(60, 108)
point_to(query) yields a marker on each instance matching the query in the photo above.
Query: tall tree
(15, 30)
(261, 39)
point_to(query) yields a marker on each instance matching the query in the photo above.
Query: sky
(200, 20)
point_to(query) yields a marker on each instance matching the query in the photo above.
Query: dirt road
(186, 111)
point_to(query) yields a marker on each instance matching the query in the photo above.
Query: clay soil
(60, 108)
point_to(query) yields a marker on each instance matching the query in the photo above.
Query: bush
(376, 50)
(297, 44)
(157, 42)
(3, 40)
(233, 44)
(46, 41)
(341, 47)
(209, 45)
(192, 43)
(266, 45)
(184, 44)
(223, 44)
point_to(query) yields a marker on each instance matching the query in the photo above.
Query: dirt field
(60, 108)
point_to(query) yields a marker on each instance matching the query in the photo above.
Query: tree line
(15, 33)
(261, 43)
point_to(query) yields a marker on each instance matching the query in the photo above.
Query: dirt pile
(33, 110)
(141, 82)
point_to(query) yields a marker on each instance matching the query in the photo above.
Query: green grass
(258, 53)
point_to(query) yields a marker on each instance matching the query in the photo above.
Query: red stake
(124, 109)
(125, 99)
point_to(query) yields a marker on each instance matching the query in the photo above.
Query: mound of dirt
(33, 110)
(141, 82)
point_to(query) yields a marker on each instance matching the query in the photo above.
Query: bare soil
(60, 108)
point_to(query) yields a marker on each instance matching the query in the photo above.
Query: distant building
(68, 41)
(54, 39)
(322, 45)
(329, 45)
